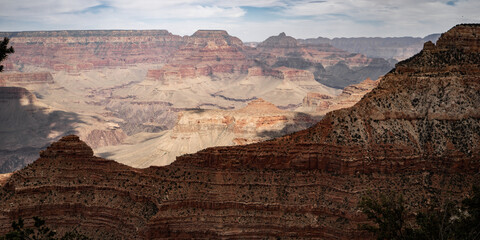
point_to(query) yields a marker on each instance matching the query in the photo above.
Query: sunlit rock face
(75, 51)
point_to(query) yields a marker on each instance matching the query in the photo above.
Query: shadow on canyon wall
(301, 121)
(25, 128)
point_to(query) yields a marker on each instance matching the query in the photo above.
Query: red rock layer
(205, 53)
(70, 188)
(350, 95)
(285, 46)
(22, 79)
(416, 133)
(423, 114)
(83, 50)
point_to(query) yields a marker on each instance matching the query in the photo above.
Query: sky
(250, 20)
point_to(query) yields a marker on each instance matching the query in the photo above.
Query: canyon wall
(398, 48)
(75, 51)
(416, 133)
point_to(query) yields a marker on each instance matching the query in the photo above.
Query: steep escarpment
(70, 188)
(423, 114)
(22, 79)
(331, 66)
(205, 53)
(75, 51)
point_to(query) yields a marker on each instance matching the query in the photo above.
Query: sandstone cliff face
(321, 104)
(416, 112)
(22, 79)
(205, 53)
(331, 66)
(75, 51)
(417, 133)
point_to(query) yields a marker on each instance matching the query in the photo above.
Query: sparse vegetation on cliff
(38, 232)
(391, 217)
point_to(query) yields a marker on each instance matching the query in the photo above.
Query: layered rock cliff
(425, 112)
(320, 103)
(416, 133)
(22, 79)
(331, 66)
(75, 51)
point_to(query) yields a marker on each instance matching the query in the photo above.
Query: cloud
(248, 19)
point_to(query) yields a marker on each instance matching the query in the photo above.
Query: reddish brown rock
(283, 46)
(406, 123)
(416, 133)
(74, 51)
(205, 53)
(322, 104)
(23, 79)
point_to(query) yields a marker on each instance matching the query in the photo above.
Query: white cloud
(298, 18)
(29, 8)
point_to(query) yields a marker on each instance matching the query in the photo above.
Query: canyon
(129, 86)
(417, 132)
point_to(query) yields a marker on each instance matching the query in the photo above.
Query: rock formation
(321, 104)
(117, 83)
(331, 66)
(275, 48)
(397, 48)
(22, 79)
(205, 53)
(75, 51)
(198, 129)
(416, 133)
(415, 112)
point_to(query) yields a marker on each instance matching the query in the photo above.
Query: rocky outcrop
(331, 66)
(22, 79)
(204, 54)
(321, 103)
(408, 121)
(282, 48)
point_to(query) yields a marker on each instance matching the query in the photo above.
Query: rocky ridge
(417, 133)
(321, 104)
(415, 112)
(396, 48)
(331, 66)
(75, 51)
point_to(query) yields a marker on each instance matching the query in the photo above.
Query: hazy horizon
(251, 21)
